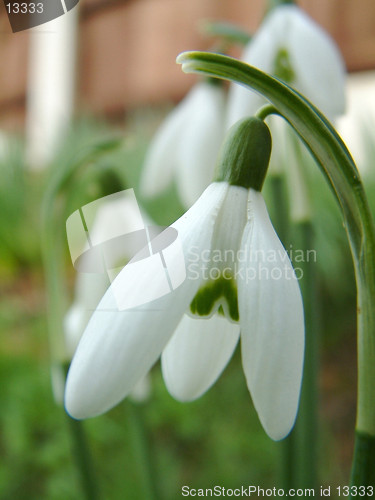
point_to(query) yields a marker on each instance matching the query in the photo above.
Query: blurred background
(85, 93)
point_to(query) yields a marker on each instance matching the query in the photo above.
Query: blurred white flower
(239, 277)
(51, 86)
(3, 145)
(89, 289)
(291, 46)
(185, 147)
(113, 217)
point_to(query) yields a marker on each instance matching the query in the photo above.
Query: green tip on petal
(283, 67)
(245, 154)
(221, 290)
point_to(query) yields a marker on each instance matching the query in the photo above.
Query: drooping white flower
(185, 147)
(291, 46)
(239, 282)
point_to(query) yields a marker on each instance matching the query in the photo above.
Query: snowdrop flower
(239, 282)
(186, 145)
(294, 48)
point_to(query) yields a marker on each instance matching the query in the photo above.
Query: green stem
(280, 206)
(265, 111)
(83, 459)
(141, 447)
(53, 262)
(363, 472)
(306, 429)
(339, 170)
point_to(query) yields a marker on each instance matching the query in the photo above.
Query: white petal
(75, 321)
(272, 324)
(201, 140)
(162, 156)
(316, 61)
(318, 64)
(229, 227)
(260, 53)
(119, 347)
(279, 160)
(197, 354)
(89, 289)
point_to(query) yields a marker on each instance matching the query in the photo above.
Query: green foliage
(19, 245)
(215, 440)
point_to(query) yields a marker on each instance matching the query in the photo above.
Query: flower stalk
(142, 451)
(83, 458)
(336, 164)
(306, 428)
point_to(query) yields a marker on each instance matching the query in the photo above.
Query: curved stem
(265, 111)
(339, 170)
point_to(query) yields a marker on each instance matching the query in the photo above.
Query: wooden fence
(127, 48)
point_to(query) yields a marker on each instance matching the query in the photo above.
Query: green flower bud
(245, 154)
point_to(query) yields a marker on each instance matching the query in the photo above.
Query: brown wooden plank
(128, 47)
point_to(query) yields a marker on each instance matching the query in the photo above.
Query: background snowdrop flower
(89, 289)
(294, 48)
(198, 324)
(185, 147)
(114, 217)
